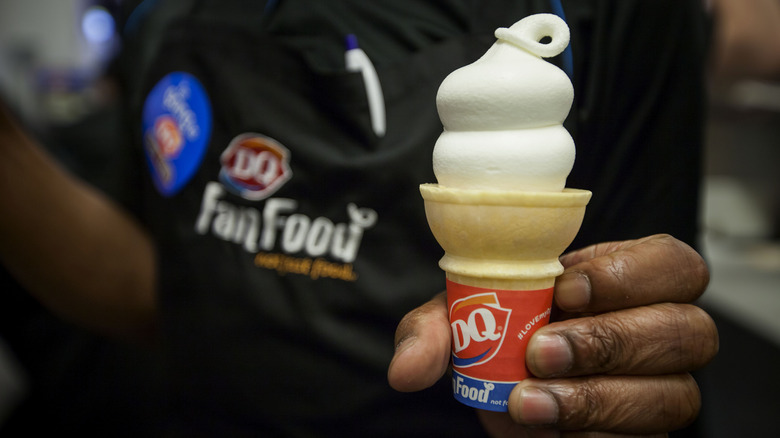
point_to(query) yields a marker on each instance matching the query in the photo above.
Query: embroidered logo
(254, 166)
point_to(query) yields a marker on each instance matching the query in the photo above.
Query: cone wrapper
(501, 260)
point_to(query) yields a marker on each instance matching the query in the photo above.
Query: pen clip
(356, 60)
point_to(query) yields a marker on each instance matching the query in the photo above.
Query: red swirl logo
(479, 325)
(255, 166)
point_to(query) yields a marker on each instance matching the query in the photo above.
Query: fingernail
(549, 355)
(572, 291)
(537, 407)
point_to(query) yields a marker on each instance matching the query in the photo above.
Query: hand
(616, 356)
(71, 247)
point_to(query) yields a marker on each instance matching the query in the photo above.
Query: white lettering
(245, 164)
(278, 224)
(228, 222)
(472, 393)
(459, 336)
(273, 219)
(362, 217)
(535, 320)
(262, 167)
(208, 206)
(248, 229)
(319, 236)
(175, 100)
(294, 235)
(225, 221)
(346, 240)
(268, 167)
(485, 393)
(488, 320)
(464, 332)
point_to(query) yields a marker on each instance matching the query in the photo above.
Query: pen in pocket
(357, 61)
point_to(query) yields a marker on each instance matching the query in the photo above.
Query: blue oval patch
(177, 127)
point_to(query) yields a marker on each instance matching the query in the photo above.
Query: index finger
(618, 275)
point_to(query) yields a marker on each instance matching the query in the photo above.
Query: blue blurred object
(567, 55)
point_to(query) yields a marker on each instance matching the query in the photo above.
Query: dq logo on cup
(478, 326)
(490, 332)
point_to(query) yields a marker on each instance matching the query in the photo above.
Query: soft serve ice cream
(503, 114)
(500, 210)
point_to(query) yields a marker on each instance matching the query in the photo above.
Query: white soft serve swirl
(503, 114)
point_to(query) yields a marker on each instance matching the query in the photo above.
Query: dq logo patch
(479, 324)
(177, 127)
(254, 166)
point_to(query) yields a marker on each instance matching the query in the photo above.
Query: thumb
(422, 352)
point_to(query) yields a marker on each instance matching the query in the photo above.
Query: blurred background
(55, 70)
(52, 53)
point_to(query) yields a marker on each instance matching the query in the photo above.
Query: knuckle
(676, 346)
(621, 269)
(587, 406)
(645, 405)
(662, 338)
(685, 339)
(693, 337)
(591, 403)
(606, 344)
(423, 316)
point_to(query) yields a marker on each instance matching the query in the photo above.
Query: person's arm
(617, 360)
(747, 39)
(77, 252)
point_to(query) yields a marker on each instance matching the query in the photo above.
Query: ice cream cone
(501, 259)
(500, 210)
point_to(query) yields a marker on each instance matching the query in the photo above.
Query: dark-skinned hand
(616, 357)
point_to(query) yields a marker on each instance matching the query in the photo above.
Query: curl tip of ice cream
(503, 114)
